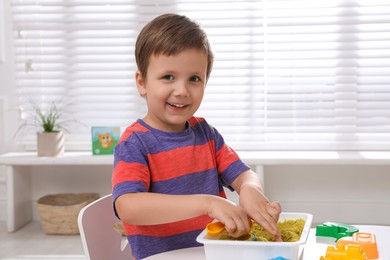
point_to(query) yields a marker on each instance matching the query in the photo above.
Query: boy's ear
(140, 81)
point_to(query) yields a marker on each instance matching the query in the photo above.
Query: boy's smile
(174, 88)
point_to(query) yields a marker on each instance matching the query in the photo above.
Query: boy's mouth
(177, 105)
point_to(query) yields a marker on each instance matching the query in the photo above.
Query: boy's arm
(256, 204)
(146, 208)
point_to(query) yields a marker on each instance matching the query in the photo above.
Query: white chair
(100, 240)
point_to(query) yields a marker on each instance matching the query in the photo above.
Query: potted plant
(48, 120)
(50, 138)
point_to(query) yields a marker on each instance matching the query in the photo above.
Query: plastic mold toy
(366, 241)
(335, 230)
(352, 252)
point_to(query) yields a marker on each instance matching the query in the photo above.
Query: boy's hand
(274, 209)
(234, 217)
(260, 209)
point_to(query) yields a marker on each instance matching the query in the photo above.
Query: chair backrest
(100, 240)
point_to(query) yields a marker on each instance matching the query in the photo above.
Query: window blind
(287, 74)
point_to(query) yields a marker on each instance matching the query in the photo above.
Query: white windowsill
(250, 157)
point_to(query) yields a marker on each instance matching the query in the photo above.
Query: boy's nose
(181, 89)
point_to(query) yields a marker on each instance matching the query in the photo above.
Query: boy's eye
(168, 77)
(195, 78)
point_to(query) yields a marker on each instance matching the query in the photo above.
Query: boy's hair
(170, 34)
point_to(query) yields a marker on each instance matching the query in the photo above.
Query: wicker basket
(59, 212)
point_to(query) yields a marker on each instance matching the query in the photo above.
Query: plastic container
(216, 249)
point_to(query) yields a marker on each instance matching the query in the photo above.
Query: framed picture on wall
(104, 139)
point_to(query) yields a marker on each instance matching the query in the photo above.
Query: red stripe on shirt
(227, 156)
(222, 194)
(181, 161)
(169, 229)
(135, 127)
(194, 120)
(130, 172)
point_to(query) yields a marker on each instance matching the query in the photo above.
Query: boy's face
(173, 88)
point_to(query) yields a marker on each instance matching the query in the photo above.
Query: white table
(312, 250)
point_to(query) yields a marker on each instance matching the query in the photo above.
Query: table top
(312, 249)
(249, 157)
(69, 158)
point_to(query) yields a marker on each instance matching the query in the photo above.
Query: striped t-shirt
(194, 161)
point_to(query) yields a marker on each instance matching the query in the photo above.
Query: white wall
(346, 194)
(6, 90)
(350, 194)
(2, 175)
(6, 64)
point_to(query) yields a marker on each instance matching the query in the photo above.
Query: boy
(170, 167)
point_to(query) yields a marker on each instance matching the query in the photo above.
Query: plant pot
(50, 144)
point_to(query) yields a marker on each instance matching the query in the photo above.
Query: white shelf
(316, 157)
(250, 157)
(70, 158)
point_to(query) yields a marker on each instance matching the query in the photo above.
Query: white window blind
(287, 74)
